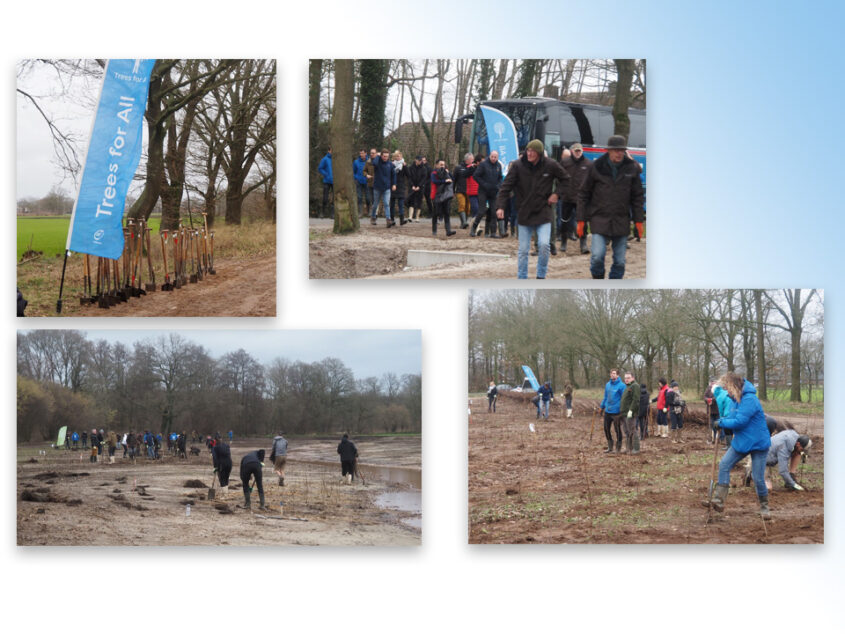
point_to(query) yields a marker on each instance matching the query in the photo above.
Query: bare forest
(775, 338)
(211, 126)
(412, 104)
(170, 383)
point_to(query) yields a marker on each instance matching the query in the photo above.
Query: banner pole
(62, 285)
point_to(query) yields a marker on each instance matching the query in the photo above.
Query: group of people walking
(539, 198)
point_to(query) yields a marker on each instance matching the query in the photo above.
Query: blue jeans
(381, 196)
(545, 408)
(758, 468)
(364, 194)
(544, 233)
(597, 253)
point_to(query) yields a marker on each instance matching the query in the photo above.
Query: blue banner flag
(501, 135)
(114, 150)
(531, 378)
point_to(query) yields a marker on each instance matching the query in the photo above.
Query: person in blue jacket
(546, 396)
(740, 411)
(75, 438)
(325, 169)
(610, 406)
(364, 193)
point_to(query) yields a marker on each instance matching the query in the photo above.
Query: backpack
(680, 404)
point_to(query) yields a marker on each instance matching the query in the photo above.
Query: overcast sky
(365, 352)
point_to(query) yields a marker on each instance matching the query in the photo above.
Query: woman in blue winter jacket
(741, 412)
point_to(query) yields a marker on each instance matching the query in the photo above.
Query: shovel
(177, 280)
(199, 260)
(151, 285)
(211, 491)
(167, 286)
(211, 257)
(139, 248)
(193, 279)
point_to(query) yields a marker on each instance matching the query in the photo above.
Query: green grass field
(49, 234)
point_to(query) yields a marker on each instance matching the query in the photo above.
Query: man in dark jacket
(418, 179)
(221, 456)
(325, 169)
(488, 175)
(279, 456)
(612, 192)
(576, 165)
(384, 181)
(630, 408)
(642, 416)
(348, 456)
(251, 465)
(537, 182)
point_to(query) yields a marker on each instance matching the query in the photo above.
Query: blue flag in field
(114, 150)
(531, 378)
(501, 135)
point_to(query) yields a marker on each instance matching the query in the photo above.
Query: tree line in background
(211, 125)
(411, 105)
(774, 338)
(173, 384)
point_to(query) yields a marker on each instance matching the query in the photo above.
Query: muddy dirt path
(241, 288)
(381, 253)
(144, 503)
(556, 486)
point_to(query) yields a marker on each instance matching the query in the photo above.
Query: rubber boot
(503, 233)
(225, 489)
(463, 219)
(569, 413)
(281, 481)
(475, 223)
(636, 442)
(619, 445)
(674, 436)
(348, 478)
(261, 505)
(584, 248)
(747, 478)
(720, 494)
(552, 248)
(247, 505)
(765, 513)
(609, 446)
(681, 436)
(627, 445)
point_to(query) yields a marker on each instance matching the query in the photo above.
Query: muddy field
(381, 253)
(144, 503)
(556, 486)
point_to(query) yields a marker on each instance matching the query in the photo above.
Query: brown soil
(381, 253)
(556, 486)
(143, 504)
(241, 288)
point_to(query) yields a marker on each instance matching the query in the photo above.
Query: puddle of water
(397, 475)
(407, 501)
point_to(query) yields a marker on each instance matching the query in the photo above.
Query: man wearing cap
(538, 181)
(325, 169)
(785, 452)
(576, 165)
(364, 193)
(611, 193)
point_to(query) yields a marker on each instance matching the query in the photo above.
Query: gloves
(580, 229)
(716, 424)
(630, 414)
(215, 470)
(665, 409)
(639, 227)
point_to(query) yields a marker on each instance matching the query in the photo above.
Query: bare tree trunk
(624, 75)
(501, 78)
(345, 204)
(762, 389)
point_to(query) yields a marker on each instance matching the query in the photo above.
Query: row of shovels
(118, 280)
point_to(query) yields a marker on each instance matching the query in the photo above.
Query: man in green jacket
(630, 408)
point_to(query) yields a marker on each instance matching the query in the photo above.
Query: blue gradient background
(744, 124)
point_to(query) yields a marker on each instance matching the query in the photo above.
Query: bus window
(601, 122)
(552, 145)
(637, 130)
(569, 131)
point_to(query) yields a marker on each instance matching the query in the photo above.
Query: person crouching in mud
(251, 465)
